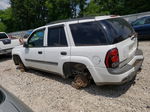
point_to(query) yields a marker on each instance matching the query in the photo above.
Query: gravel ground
(45, 92)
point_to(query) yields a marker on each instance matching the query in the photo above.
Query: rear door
(57, 51)
(122, 35)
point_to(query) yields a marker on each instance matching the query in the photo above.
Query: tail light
(112, 58)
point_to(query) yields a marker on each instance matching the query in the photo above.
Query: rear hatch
(4, 40)
(121, 34)
(7, 43)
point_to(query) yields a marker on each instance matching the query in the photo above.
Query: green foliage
(6, 20)
(101, 7)
(136, 6)
(117, 7)
(2, 27)
(58, 9)
(29, 14)
(64, 9)
(95, 8)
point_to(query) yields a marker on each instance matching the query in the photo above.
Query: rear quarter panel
(91, 56)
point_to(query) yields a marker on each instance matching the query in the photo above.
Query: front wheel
(21, 66)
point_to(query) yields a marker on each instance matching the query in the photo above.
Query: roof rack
(67, 20)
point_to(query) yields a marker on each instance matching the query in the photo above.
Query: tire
(80, 81)
(82, 76)
(21, 66)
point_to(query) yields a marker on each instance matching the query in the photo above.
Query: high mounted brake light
(112, 58)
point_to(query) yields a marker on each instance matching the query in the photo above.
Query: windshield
(117, 29)
(3, 36)
(141, 21)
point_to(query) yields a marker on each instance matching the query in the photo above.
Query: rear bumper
(104, 76)
(5, 51)
(135, 62)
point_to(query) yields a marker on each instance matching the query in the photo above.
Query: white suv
(103, 48)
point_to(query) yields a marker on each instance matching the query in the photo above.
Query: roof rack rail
(67, 20)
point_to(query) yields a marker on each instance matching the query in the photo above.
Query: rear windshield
(88, 34)
(117, 29)
(3, 36)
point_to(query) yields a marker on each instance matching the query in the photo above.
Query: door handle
(40, 52)
(63, 53)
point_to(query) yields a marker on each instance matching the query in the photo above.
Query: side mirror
(25, 45)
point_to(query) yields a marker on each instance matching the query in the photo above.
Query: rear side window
(87, 34)
(118, 29)
(57, 37)
(3, 36)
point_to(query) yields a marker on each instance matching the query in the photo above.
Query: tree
(117, 7)
(6, 20)
(65, 9)
(2, 27)
(136, 6)
(82, 6)
(94, 8)
(36, 12)
(58, 9)
(101, 7)
(28, 13)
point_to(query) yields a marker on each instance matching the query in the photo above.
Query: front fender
(19, 51)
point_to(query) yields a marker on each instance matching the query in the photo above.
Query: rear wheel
(82, 77)
(80, 81)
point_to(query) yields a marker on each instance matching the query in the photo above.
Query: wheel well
(69, 66)
(16, 59)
